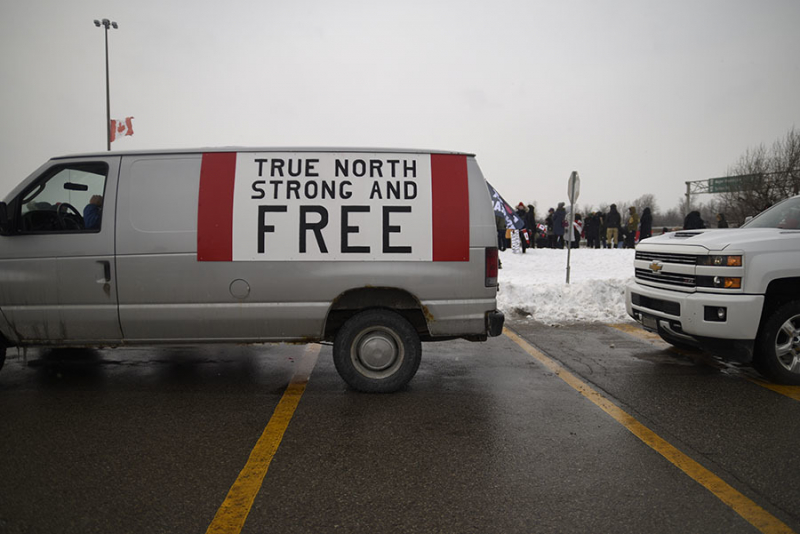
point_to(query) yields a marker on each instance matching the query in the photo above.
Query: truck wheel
(377, 351)
(778, 345)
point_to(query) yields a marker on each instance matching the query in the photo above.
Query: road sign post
(573, 190)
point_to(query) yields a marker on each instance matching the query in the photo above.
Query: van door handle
(106, 271)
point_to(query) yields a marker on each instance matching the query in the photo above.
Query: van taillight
(492, 260)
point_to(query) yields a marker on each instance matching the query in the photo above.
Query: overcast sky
(637, 96)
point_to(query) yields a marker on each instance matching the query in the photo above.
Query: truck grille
(674, 279)
(666, 306)
(664, 257)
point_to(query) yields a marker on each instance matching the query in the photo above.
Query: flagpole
(106, 24)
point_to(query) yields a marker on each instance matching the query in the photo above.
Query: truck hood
(717, 240)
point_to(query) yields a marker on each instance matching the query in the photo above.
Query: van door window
(67, 199)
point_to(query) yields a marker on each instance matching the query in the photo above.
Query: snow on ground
(533, 285)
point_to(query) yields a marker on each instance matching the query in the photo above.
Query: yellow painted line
(750, 511)
(793, 392)
(233, 512)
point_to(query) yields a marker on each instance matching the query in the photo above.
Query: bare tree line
(768, 175)
(772, 174)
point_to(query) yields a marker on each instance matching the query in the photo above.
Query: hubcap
(377, 352)
(787, 345)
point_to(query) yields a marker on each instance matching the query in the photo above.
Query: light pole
(107, 24)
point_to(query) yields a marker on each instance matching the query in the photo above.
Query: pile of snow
(533, 285)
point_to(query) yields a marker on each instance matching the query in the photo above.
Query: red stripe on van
(215, 207)
(450, 193)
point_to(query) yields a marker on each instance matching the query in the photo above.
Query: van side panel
(167, 295)
(463, 309)
(173, 297)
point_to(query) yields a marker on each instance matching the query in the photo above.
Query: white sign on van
(329, 206)
(323, 206)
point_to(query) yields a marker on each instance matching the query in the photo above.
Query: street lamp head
(107, 23)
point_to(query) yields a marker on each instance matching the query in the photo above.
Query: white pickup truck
(733, 292)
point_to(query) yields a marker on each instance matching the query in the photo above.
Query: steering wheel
(69, 221)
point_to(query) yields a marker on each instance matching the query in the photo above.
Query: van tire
(2, 354)
(377, 351)
(778, 345)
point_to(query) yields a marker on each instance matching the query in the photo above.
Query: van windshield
(785, 214)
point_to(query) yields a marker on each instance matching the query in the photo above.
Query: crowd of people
(599, 229)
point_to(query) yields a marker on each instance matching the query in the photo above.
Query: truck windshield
(785, 214)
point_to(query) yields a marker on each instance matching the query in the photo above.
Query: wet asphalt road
(485, 439)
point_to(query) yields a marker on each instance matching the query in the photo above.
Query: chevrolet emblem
(655, 266)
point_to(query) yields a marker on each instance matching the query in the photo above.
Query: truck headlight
(720, 282)
(720, 261)
(728, 282)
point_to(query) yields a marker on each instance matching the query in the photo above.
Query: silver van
(372, 249)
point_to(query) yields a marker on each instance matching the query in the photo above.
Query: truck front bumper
(693, 318)
(742, 312)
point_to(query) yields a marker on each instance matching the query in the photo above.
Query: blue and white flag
(502, 208)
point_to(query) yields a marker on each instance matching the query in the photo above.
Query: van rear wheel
(778, 345)
(377, 351)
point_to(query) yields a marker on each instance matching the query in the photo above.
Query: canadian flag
(120, 128)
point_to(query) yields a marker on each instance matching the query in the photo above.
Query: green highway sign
(729, 184)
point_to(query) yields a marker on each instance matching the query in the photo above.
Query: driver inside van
(92, 212)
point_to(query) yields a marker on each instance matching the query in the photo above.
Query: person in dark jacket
(559, 224)
(631, 225)
(522, 213)
(646, 224)
(500, 222)
(592, 230)
(721, 221)
(693, 221)
(551, 236)
(530, 224)
(601, 217)
(613, 221)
